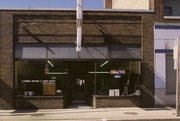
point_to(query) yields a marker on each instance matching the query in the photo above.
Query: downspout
(79, 18)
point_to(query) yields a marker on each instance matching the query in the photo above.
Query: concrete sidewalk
(103, 114)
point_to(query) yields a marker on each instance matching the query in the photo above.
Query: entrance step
(78, 102)
(79, 106)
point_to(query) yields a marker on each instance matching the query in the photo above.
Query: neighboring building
(39, 67)
(171, 8)
(129, 4)
(165, 35)
(166, 32)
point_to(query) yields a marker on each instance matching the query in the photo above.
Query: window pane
(36, 78)
(121, 75)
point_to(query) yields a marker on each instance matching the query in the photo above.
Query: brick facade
(151, 4)
(126, 29)
(104, 102)
(98, 27)
(7, 63)
(107, 3)
(39, 103)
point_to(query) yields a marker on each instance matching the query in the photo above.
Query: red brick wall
(6, 62)
(107, 3)
(125, 29)
(104, 102)
(39, 102)
(151, 4)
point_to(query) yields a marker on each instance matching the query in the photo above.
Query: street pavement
(90, 114)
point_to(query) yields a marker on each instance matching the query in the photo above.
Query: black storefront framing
(128, 54)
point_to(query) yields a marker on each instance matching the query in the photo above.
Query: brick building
(39, 67)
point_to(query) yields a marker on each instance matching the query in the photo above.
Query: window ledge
(107, 96)
(171, 17)
(22, 96)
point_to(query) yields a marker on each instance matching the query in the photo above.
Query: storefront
(40, 69)
(44, 73)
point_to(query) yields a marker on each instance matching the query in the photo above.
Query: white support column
(177, 67)
(79, 18)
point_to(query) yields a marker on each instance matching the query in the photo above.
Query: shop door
(79, 94)
(78, 77)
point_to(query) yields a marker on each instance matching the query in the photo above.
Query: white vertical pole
(178, 77)
(79, 18)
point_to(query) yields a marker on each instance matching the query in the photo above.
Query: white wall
(130, 4)
(163, 39)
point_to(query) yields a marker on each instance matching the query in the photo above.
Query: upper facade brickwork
(62, 28)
